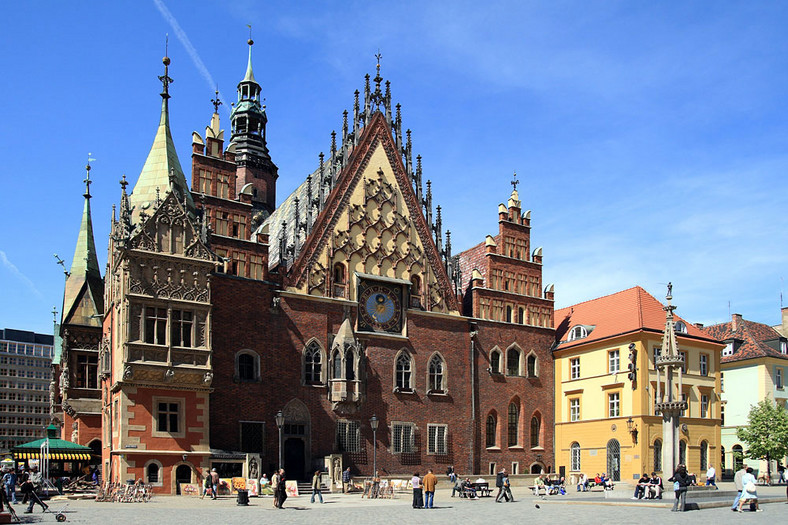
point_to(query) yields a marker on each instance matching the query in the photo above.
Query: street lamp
(280, 424)
(633, 429)
(373, 422)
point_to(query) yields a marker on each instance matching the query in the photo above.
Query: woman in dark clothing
(682, 478)
(281, 488)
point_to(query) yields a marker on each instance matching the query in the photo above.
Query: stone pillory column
(669, 401)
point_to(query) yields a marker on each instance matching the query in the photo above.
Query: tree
(766, 434)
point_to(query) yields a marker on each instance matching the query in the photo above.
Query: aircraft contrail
(181, 34)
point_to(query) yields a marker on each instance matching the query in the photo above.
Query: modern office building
(25, 374)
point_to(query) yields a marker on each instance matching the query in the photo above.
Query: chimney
(784, 311)
(699, 325)
(736, 322)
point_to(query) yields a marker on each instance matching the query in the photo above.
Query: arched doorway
(614, 460)
(294, 458)
(95, 447)
(738, 457)
(537, 468)
(183, 474)
(296, 450)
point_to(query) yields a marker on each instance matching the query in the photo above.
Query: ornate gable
(372, 224)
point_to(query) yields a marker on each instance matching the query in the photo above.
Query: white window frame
(704, 406)
(614, 404)
(577, 332)
(574, 368)
(437, 439)
(704, 364)
(778, 378)
(613, 361)
(728, 350)
(574, 409)
(574, 457)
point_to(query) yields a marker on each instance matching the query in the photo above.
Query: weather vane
(378, 56)
(62, 263)
(216, 101)
(515, 182)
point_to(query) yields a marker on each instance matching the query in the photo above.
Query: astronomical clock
(379, 307)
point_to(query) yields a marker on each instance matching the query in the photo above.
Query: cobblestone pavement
(351, 510)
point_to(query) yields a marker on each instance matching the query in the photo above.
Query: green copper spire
(249, 77)
(162, 170)
(83, 300)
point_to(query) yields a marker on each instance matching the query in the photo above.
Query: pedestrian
(316, 487)
(207, 485)
(449, 472)
(29, 486)
(737, 480)
(346, 480)
(430, 480)
(275, 486)
(711, 477)
(375, 484)
(680, 481)
(507, 487)
(781, 472)
(214, 483)
(9, 482)
(418, 496)
(457, 488)
(749, 493)
(499, 484)
(282, 488)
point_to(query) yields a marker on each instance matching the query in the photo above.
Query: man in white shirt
(711, 476)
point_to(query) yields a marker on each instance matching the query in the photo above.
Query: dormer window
(728, 350)
(578, 332)
(680, 327)
(784, 347)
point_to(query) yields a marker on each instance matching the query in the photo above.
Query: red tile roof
(752, 337)
(626, 311)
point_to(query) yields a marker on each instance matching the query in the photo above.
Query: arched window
(575, 456)
(415, 291)
(402, 375)
(492, 430)
(683, 452)
(514, 423)
(508, 314)
(339, 273)
(680, 327)
(521, 315)
(658, 455)
(722, 459)
(495, 362)
(153, 473)
(350, 365)
(704, 455)
(247, 366)
(536, 430)
(436, 378)
(513, 362)
(313, 364)
(578, 332)
(532, 371)
(337, 362)
(738, 457)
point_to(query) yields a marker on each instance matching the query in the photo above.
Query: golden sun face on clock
(380, 308)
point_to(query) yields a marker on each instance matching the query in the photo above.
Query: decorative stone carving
(169, 374)
(207, 378)
(128, 373)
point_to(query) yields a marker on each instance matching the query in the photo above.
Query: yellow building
(605, 419)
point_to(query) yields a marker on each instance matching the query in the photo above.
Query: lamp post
(280, 424)
(373, 422)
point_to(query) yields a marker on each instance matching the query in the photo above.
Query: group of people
(212, 482)
(424, 490)
(29, 485)
(746, 489)
(649, 487)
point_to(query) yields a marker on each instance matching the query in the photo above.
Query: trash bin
(242, 498)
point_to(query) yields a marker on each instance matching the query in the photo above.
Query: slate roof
(751, 336)
(623, 312)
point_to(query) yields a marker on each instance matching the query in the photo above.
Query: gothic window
(436, 439)
(436, 375)
(532, 368)
(575, 457)
(513, 424)
(348, 436)
(340, 281)
(350, 365)
(313, 364)
(155, 325)
(402, 441)
(337, 362)
(491, 430)
(513, 362)
(403, 372)
(536, 430)
(521, 315)
(658, 455)
(508, 314)
(495, 362)
(182, 328)
(247, 366)
(86, 373)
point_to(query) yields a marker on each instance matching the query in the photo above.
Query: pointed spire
(249, 76)
(417, 179)
(321, 180)
(84, 293)
(437, 230)
(162, 161)
(427, 203)
(408, 157)
(398, 128)
(356, 117)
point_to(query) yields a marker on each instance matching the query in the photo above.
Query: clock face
(380, 308)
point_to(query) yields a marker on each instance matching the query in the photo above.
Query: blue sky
(650, 137)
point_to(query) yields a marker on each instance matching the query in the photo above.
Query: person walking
(214, 483)
(346, 480)
(507, 488)
(737, 480)
(29, 486)
(206, 485)
(680, 481)
(375, 485)
(430, 481)
(281, 486)
(499, 484)
(275, 486)
(9, 482)
(418, 496)
(316, 487)
(749, 493)
(711, 477)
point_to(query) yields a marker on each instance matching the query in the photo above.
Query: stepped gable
(626, 311)
(753, 337)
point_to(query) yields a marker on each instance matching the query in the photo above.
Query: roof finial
(165, 79)
(87, 180)
(378, 56)
(669, 297)
(250, 41)
(515, 182)
(216, 101)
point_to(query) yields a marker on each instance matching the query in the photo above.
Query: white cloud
(18, 274)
